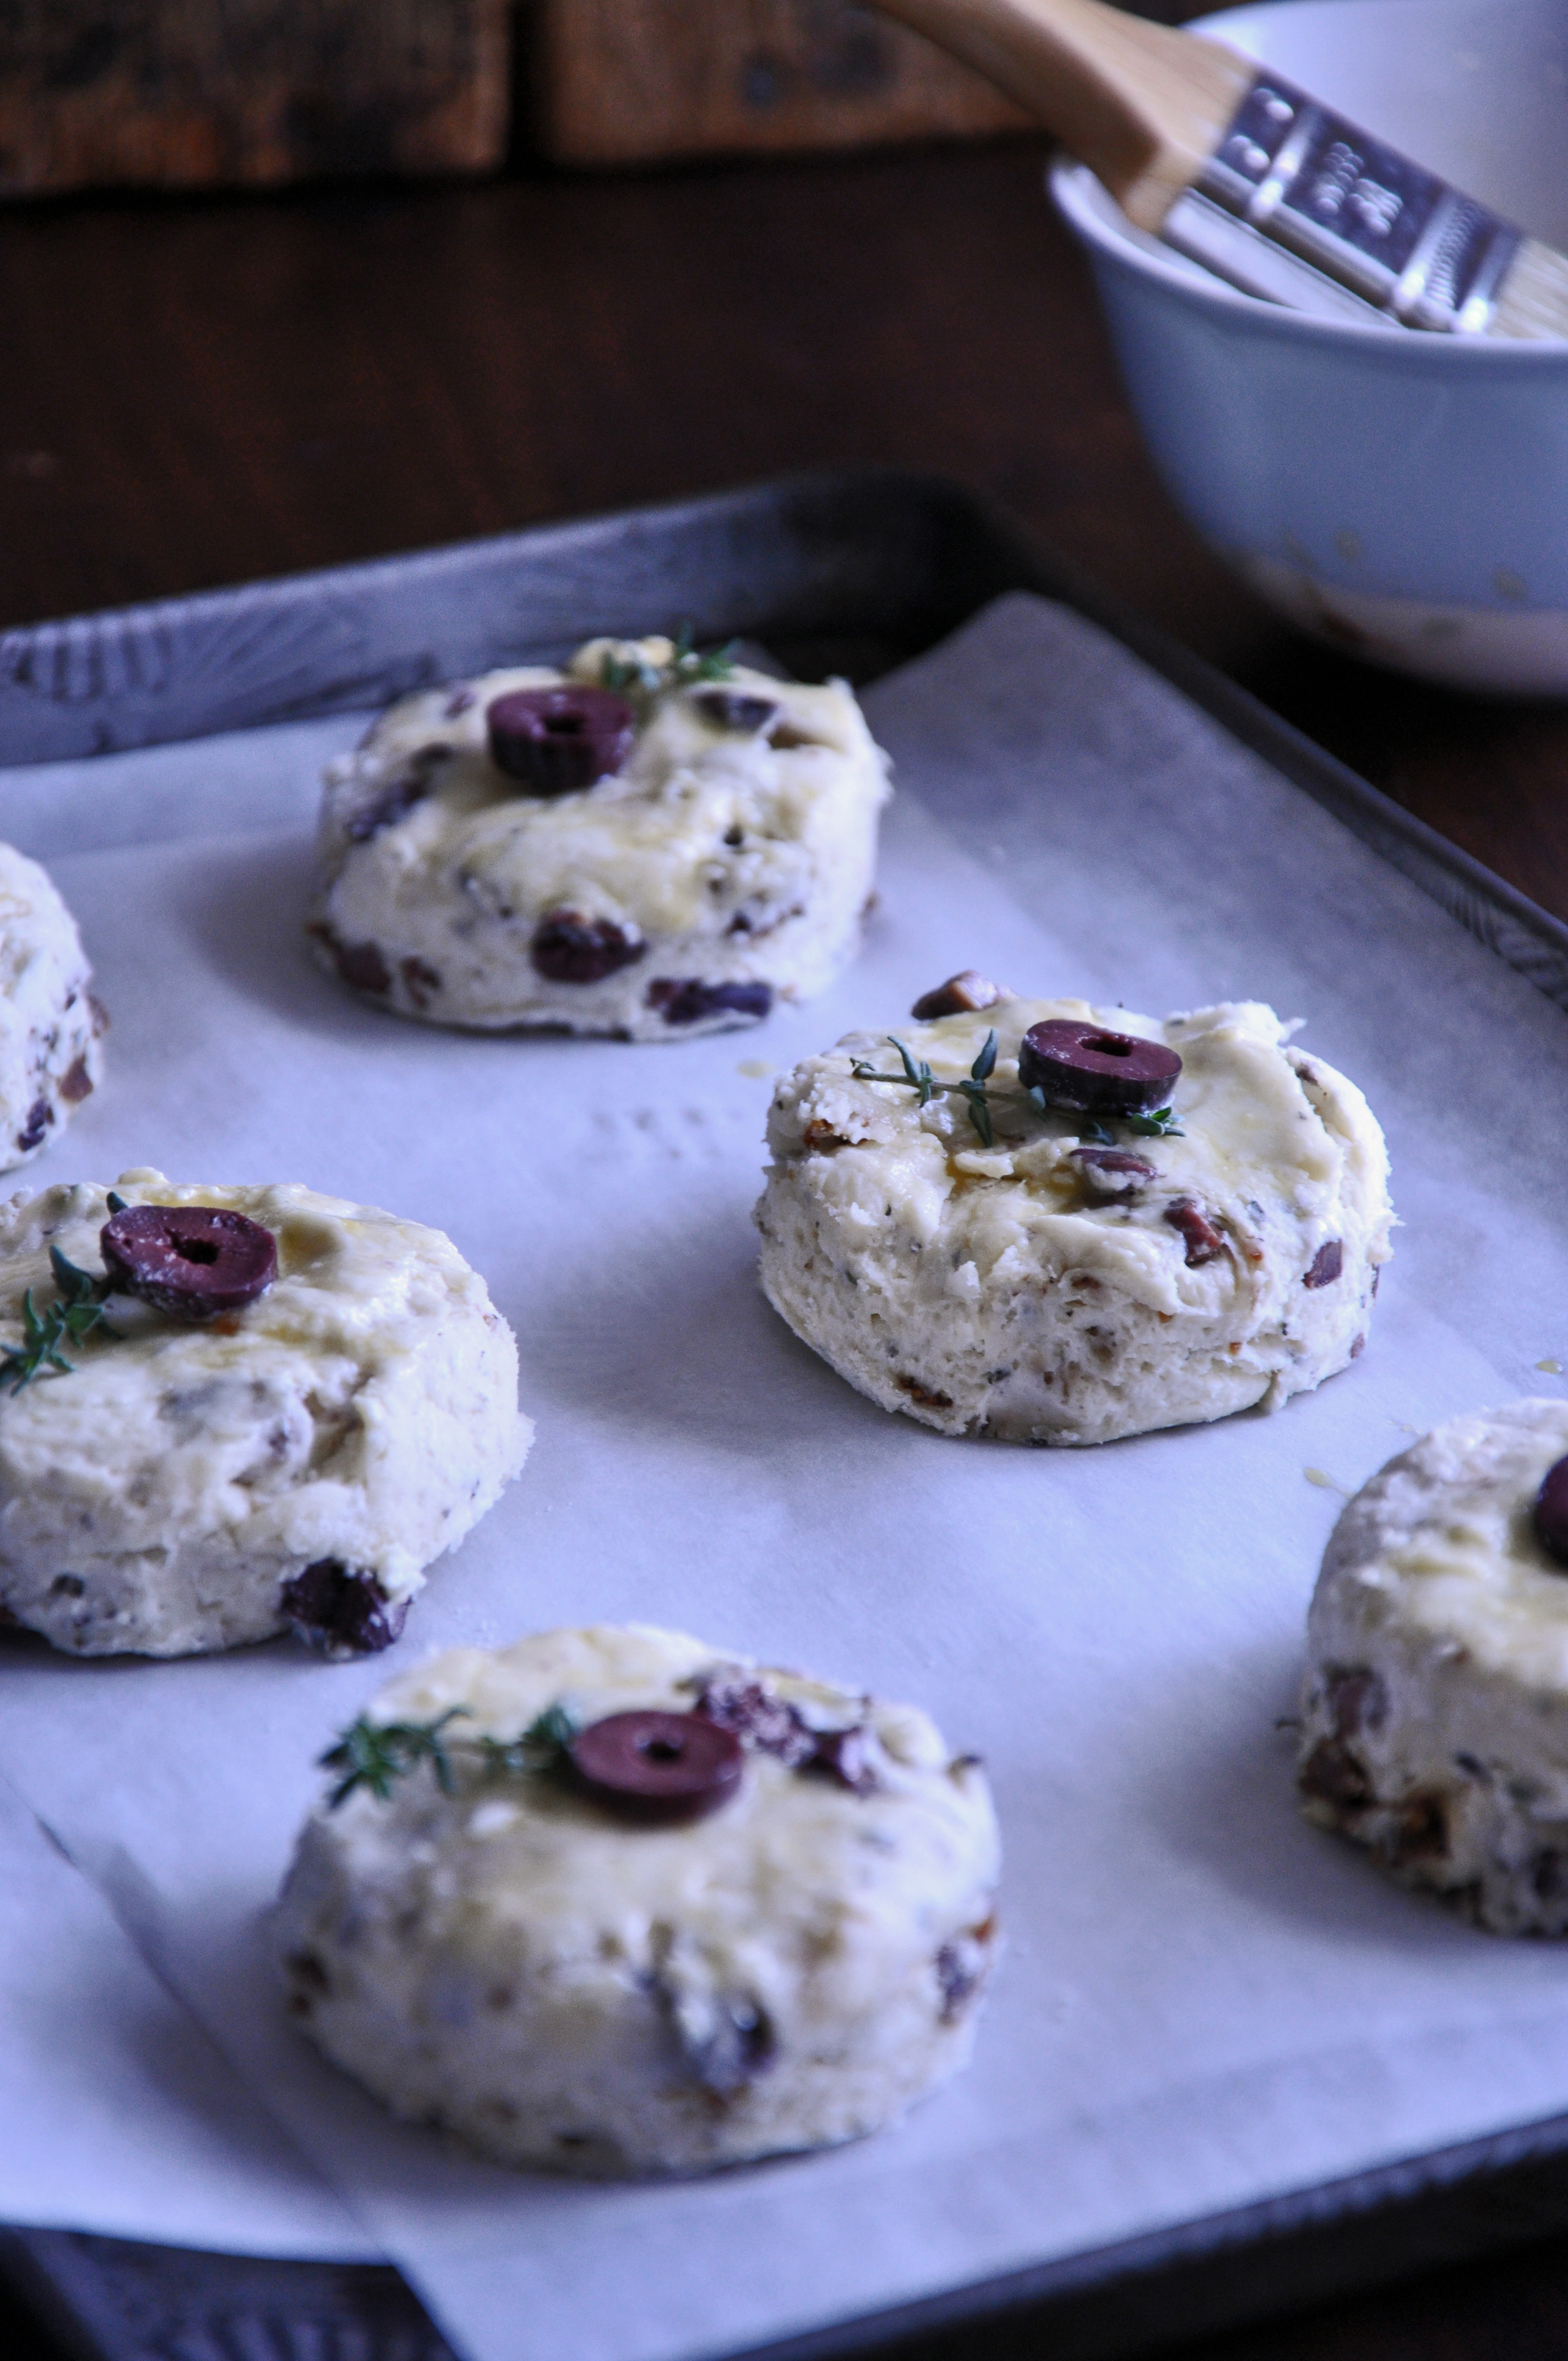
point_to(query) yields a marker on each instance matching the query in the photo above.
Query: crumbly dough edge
(356, 1873)
(1185, 1365)
(1448, 1772)
(208, 1588)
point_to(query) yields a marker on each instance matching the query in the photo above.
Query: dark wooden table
(198, 392)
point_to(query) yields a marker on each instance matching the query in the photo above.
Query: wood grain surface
(625, 81)
(202, 390)
(176, 93)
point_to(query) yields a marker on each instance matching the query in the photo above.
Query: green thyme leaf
(555, 1726)
(1159, 1123)
(541, 1747)
(918, 1077)
(76, 1285)
(615, 672)
(117, 1203)
(688, 665)
(38, 1355)
(717, 665)
(636, 677)
(979, 1112)
(78, 1312)
(973, 1090)
(373, 1753)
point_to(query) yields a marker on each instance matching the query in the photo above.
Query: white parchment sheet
(1204, 2001)
(118, 2113)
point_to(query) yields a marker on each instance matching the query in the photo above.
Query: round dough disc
(183, 1488)
(1434, 1711)
(509, 1957)
(728, 861)
(1068, 1281)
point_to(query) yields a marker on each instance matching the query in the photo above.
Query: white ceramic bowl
(1401, 494)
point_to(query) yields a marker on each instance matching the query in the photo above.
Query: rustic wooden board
(180, 92)
(623, 81)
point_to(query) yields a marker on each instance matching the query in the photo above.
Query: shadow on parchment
(1227, 1805)
(669, 1330)
(244, 908)
(677, 1336)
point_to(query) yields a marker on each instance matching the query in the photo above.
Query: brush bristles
(1533, 298)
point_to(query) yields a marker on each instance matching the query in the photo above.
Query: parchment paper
(119, 2114)
(1204, 2001)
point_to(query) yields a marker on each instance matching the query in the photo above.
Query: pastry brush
(1232, 166)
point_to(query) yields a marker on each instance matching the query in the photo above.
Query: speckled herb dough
(1434, 1711)
(1054, 1288)
(188, 1486)
(49, 1023)
(726, 861)
(567, 1989)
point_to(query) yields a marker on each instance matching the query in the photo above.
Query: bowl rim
(1067, 178)
(1065, 181)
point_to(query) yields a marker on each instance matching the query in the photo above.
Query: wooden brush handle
(1144, 106)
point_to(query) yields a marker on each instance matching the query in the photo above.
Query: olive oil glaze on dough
(612, 1901)
(229, 1412)
(652, 844)
(1047, 1223)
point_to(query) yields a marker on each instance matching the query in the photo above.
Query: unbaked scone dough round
(49, 1023)
(728, 862)
(1041, 1290)
(1434, 1712)
(294, 1464)
(567, 1991)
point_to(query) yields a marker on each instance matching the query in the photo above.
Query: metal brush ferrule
(1388, 234)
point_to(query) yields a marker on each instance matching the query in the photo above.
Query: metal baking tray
(842, 573)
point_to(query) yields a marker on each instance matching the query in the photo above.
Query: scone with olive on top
(228, 1413)
(612, 1901)
(1434, 1708)
(651, 843)
(49, 1022)
(1047, 1222)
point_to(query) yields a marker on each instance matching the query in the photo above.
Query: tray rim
(62, 682)
(91, 667)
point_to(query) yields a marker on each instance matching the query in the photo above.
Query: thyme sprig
(917, 1077)
(75, 1313)
(375, 1754)
(635, 676)
(1159, 1124)
(973, 1090)
(541, 1747)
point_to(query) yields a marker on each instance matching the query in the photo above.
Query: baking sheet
(1205, 2003)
